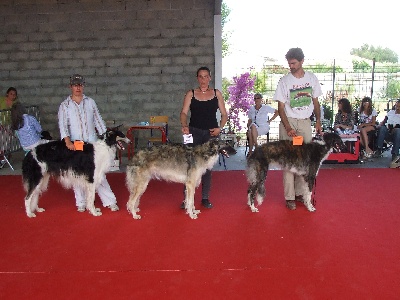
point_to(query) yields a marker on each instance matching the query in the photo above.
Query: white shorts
(262, 130)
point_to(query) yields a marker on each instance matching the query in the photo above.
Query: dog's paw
(137, 217)
(311, 208)
(31, 215)
(38, 209)
(193, 216)
(253, 208)
(95, 212)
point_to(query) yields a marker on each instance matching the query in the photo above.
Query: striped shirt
(80, 121)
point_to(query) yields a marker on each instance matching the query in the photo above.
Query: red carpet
(348, 248)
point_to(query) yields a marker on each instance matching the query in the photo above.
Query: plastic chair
(159, 121)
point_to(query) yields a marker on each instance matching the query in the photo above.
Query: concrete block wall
(139, 57)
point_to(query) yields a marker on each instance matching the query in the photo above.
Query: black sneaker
(291, 204)
(377, 153)
(206, 203)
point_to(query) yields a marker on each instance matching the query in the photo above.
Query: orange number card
(78, 145)
(298, 140)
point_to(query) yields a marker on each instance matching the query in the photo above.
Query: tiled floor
(234, 162)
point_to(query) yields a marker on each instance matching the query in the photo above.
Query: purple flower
(240, 99)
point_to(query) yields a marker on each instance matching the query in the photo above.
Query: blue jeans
(394, 135)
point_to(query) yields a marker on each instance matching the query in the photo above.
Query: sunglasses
(257, 98)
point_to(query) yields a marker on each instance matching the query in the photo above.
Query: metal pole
(373, 76)
(333, 89)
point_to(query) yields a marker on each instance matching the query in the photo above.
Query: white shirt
(297, 94)
(260, 117)
(393, 118)
(80, 121)
(367, 119)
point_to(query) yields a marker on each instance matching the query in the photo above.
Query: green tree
(380, 54)
(361, 66)
(225, 84)
(225, 11)
(260, 82)
(393, 89)
(323, 68)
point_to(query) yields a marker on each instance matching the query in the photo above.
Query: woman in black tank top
(203, 104)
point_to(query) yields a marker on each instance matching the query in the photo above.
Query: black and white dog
(304, 160)
(171, 162)
(83, 168)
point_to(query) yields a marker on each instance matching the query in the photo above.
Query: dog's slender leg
(137, 185)
(44, 183)
(136, 191)
(132, 205)
(251, 192)
(28, 209)
(32, 198)
(90, 191)
(307, 201)
(189, 201)
(256, 175)
(309, 184)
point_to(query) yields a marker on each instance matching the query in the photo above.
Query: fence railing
(9, 143)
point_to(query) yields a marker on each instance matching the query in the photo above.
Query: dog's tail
(256, 174)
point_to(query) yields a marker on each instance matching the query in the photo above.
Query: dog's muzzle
(119, 141)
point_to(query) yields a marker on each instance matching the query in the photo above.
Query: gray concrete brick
(139, 57)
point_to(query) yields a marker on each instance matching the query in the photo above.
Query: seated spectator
(5, 120)
(6, 103)
(344, 119)
(258, 123)
(389, 129)
(28, 129)
(367, 123)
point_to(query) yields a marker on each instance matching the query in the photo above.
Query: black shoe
(183, 205)
(291, 204)
(206, 203)
(299, 198)
(377, 153)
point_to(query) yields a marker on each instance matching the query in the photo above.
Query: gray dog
(171, 162)
(304, 160)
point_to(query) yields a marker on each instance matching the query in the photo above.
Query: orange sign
(78, 145)
(298, 140)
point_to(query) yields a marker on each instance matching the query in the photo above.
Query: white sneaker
(81, 208)
(113, 207)
(395, 162)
